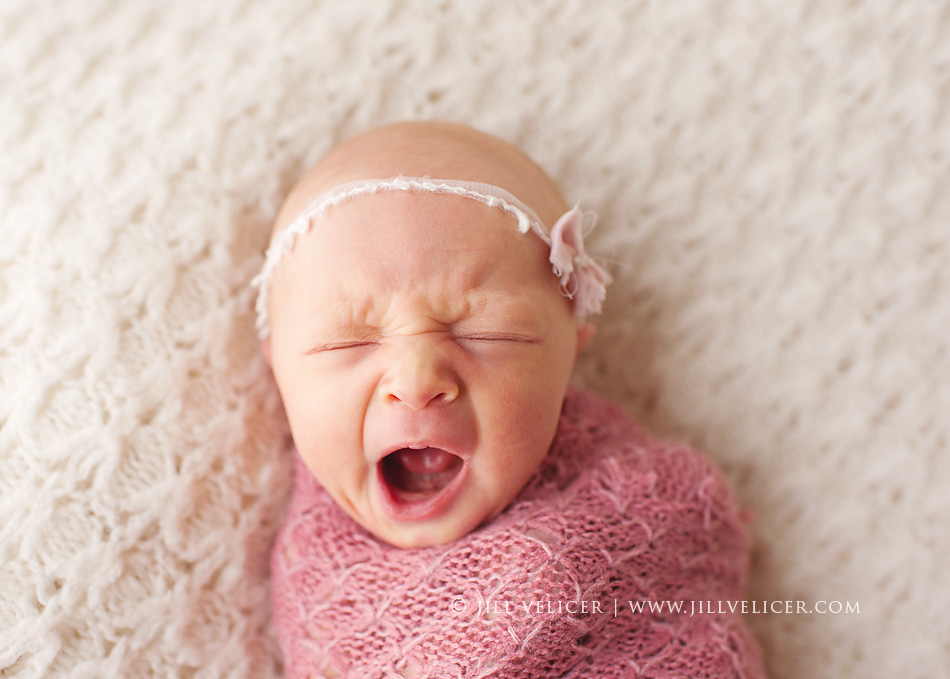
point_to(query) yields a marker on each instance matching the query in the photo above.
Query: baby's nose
(419, 378)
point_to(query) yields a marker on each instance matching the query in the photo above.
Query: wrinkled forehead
(401, 241)
(404, 260)
(407, 226)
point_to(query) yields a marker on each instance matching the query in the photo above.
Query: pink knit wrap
(543, 590)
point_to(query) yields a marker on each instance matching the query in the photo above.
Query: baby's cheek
(326, 427)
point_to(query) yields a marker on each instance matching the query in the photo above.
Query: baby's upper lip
(422, 430)
(420, 443)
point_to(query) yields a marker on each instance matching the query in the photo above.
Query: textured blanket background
(772, 184)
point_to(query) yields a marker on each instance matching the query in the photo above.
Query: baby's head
(422, 332)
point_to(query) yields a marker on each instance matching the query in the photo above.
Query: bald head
(435, 149)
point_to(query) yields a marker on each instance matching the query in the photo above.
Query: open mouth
(419, 482)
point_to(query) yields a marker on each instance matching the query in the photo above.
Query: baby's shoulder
(612, 497)
(597, 439)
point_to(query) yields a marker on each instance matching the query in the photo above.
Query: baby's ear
(584, 334)
(265, 349)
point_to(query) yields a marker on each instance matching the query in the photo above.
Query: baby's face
(422, 350)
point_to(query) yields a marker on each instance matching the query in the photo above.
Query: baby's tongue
(424, 460)
(423, 470)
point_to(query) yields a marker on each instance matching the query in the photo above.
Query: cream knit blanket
(771, 180)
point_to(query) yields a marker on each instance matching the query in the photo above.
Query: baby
(458, 510)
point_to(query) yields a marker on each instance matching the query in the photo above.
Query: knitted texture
(611, 519)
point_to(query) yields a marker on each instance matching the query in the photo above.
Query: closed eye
(339, 346)
(495, 337)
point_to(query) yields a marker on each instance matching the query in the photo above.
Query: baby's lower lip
(420, 497)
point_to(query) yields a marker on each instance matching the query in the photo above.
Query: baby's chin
(421, 534)
(455, 523)
(419, 538)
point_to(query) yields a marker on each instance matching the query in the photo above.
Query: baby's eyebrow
(350, 328)
(496, 307)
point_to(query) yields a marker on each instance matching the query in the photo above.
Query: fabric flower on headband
(582, 279)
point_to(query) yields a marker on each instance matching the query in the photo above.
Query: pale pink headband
(582, 279)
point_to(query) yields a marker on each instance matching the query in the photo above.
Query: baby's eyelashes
(339, 346)
(493, 337)
(468, 338)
